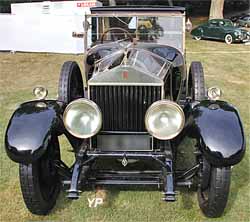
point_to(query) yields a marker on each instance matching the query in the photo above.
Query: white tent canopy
(44, 26)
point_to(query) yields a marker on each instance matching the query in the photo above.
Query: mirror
(86, 25)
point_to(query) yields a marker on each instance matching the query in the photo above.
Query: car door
(220, 30)
(211, 29)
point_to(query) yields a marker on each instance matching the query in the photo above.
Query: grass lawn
(226, 66)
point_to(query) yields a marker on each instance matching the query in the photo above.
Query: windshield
(137, 58)
(227, 23)
(167, 30)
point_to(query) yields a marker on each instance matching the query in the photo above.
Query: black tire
(70, 83)
(196, 82)
(40, 182)
(213, 199)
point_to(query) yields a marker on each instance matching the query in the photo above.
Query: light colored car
(245, 21)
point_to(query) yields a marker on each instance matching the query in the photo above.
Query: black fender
(30, 129)
(219, 131)
(198, 31)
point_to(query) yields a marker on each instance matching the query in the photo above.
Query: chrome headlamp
(214, 93)
(82, 118)
(164, 119)
(237, 33)
(40, 92)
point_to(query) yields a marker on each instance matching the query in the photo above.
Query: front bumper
(246, 40)
(243, 38)
(156, 168)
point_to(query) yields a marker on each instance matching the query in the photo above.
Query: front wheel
(40, 184)
(213, 194)
(70, 85)
(196, 82)
(228, 39)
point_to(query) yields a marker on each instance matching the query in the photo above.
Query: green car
(220, 29)
(245, 21)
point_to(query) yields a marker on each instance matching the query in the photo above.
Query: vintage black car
(127, 117)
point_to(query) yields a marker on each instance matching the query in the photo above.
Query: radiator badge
(125, 74)
(124, 161)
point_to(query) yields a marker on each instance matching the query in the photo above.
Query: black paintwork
(30, 129)
(218, 128)
(138, 9)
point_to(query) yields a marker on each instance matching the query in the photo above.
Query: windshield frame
(131, 14)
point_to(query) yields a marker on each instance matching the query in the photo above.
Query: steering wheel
(117, 28)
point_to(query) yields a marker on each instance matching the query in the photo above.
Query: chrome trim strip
(89, 92)
(162, 92)
(123, 132)
(124, 84)
(183, 34)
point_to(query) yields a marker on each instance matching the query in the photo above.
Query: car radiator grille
(124, 107)
(244, 36)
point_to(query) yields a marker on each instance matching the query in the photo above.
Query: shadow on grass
(221, 41)
(240, 177)
(111, 196)
(185, 197)
(62, 203)
(110, 193)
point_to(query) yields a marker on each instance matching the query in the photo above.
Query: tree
(216, 9)
(170, 3)
(112, 2)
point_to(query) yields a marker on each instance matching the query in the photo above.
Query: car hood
(244, 31)
(125, 75)
(235, 29)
